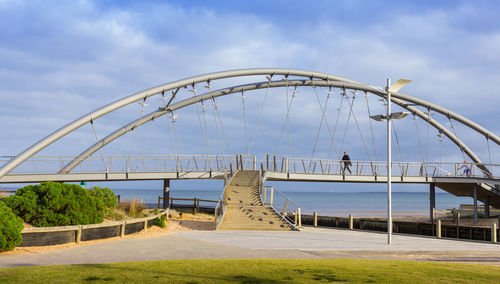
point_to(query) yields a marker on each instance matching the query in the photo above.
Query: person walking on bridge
(466, 168)
(347, 163)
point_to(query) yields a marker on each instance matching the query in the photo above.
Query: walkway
(310, 243)
(244, 210)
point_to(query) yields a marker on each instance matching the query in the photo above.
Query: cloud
(61, 60)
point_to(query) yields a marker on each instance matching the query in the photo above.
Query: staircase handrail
(221, 204)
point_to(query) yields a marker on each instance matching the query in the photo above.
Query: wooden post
(267, 162)
(231, 169)
(351, 222)
(315, 219)
(271, 197)
(295, 217)
(194, 206)
(145, 224)
(118, 198)
(300, 217)
(237, 163)
(78, 234)
(457, 222)
(432, 201)
(265, 195)
(438, 229)
(159, 201)
(166, 194)
(284, 208)
(122, 229)
(171, 202)
(494, 232)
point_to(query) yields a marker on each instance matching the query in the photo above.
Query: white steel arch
(315, 79)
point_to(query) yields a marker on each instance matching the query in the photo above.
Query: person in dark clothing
(347, 162)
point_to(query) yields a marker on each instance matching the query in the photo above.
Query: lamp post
(389, 116)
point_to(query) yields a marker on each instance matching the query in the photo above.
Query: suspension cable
(143, 104)
(359, 129)
(171, 134)
(223, 130)
(489, 153)
(371, 127)
(346, 125)
(260, 115)
(418, 138)
(100, 148)
(396, 140)
(332, 142)
(455, 133)
(323, 110)
(203, 134)
(245, 121)
(428, 126)
(285, 122)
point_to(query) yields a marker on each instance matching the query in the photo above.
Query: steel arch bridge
(177, 95)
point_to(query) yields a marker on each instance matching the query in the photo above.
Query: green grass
(257, 271)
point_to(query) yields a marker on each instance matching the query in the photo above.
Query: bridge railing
(282, 164)
(281, 204)
(135, 163)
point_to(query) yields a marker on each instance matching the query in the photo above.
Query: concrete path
(310, 243)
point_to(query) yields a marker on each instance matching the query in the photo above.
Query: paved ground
(310, 243)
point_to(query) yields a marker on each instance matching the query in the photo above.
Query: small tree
(10, 228)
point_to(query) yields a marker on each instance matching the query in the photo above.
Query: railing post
(171, 202)
(494, 232)
(438, 229)
(300, 217)
(194, 206)
(265, 195)
(145, 224)
(122, 229)
(295, 217)
(315, 219)
(284, 208)
(237, 163)
(231, 169)
(159, 201)
(78, 234)
(271, 197)
(274, 161)
(267, 162)
(254, 163)
(241, 163)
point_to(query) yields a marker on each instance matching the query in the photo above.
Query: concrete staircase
(244, 209)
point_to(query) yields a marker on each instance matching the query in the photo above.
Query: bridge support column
(475, 204)
(432, 201)
(166, 193)
(487, 207)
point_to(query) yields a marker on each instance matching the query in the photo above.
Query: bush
(10, 228)
(107, 197)
(160, 222)
(56, 204)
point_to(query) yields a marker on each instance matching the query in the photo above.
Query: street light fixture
(388, 117)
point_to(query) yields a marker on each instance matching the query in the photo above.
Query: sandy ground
(176, 222)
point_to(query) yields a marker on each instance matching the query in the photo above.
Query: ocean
(326, 203)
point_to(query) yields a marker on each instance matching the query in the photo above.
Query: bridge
(261, 93)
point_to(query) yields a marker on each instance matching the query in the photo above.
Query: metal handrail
(282, 210)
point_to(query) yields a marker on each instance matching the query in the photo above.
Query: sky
(61, 59)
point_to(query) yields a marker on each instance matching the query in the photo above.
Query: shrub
(107, 197)
(10, 228)
(56, 204)
(160, 222)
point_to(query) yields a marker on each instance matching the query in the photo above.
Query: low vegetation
(133, 208)
(258, 271)
(10, 228)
